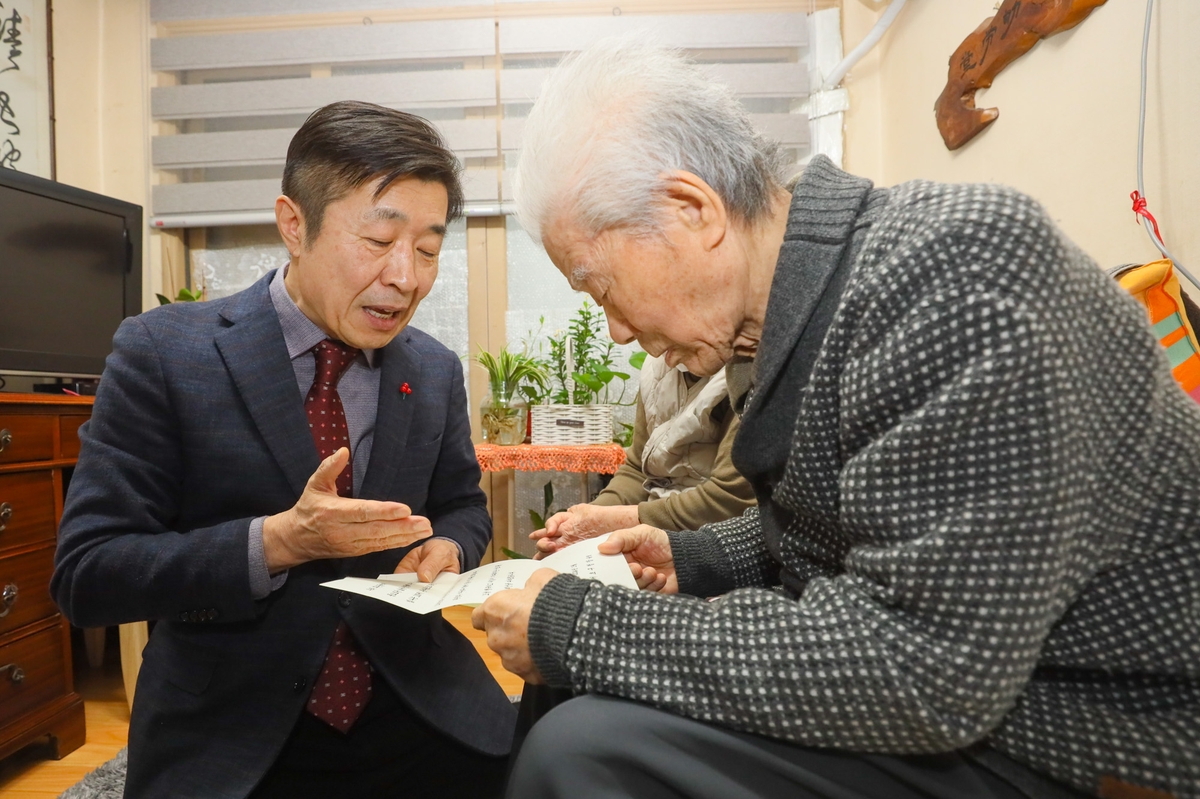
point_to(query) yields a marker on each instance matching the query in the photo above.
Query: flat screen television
(70, 271)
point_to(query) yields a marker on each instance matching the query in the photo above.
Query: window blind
(234, 79)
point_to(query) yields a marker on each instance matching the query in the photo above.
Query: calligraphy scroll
(1017, 26)
(24, 87)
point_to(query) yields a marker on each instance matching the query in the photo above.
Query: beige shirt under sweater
(724, 495)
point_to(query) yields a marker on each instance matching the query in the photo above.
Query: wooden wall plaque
(1016, 27)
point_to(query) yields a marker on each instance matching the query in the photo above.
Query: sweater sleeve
(725, 495)
(928, 634)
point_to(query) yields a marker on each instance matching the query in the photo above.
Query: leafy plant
(502, 419)
(539, 519)
(185, 295)
(624, 436)
(509, 371)
(536, 392)
(592, 353)
(513, 554)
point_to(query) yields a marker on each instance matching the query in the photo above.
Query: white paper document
(404, 591)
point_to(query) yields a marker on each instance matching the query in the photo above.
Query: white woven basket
(556, 425)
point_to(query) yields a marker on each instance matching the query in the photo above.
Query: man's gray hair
(613, 120)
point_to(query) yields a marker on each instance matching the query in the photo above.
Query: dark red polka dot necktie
(344, 686)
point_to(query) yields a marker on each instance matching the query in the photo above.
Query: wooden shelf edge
(37, 466)
(56, 400)
(32, 628)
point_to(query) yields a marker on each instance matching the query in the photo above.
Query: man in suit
(245, 450)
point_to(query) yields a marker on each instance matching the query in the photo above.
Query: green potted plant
(503, 412)
(582, 384)
(184, 295)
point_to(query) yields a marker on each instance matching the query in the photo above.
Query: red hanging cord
(1139, 208)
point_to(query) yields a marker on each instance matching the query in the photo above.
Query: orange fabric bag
(1155, 286)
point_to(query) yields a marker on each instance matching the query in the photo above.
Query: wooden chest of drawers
(39, 439)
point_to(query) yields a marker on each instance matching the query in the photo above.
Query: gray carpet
(106, 782)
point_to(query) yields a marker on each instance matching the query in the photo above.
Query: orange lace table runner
(601, 458)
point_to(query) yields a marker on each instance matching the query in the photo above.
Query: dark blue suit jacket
(198, 428)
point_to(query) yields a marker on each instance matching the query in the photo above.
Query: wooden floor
(30, 774)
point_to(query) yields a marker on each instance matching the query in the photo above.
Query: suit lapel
(400, 365)
(256, 356)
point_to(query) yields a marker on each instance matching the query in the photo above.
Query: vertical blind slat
(479, 185)
(693, 31)
(469, 137)
(746, 80)
(335, 45)
(451, 88)
(182, 10)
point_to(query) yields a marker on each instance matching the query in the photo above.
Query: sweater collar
(826, 204)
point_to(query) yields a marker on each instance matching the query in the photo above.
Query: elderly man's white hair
(613, 120)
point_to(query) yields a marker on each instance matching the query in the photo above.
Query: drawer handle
(8, 599)
(5, 515)
(15, 673)
(5, 439)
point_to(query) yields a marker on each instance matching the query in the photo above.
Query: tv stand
(39, 443)
(82, 387)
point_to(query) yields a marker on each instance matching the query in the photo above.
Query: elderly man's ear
(692, 203)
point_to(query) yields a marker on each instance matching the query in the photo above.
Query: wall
(100, 102)
(1066, 135)
(1067, 132)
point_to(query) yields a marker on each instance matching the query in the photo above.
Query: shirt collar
(300, 333)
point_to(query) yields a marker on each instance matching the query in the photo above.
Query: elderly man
(973, 570)
(245, 450)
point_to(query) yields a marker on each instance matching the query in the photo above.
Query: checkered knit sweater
(985, 528)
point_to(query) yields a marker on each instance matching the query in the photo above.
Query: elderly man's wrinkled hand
(648, 552)
(504, 616)
(580, 522)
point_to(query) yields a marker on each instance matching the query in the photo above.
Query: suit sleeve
(119, 559)
(457, 505)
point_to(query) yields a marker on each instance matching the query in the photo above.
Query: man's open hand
(504, 616)
(324, 525)
(431, 559)
(648, 552)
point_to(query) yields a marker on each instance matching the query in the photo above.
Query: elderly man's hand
(504, 616)
(648, 552)
(324, 525)
(580, 522)
(431, 559)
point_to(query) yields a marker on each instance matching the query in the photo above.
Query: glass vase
(503, 420)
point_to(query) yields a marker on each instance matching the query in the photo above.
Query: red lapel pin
(405, 389)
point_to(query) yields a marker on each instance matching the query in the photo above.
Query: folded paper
(404, 591)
